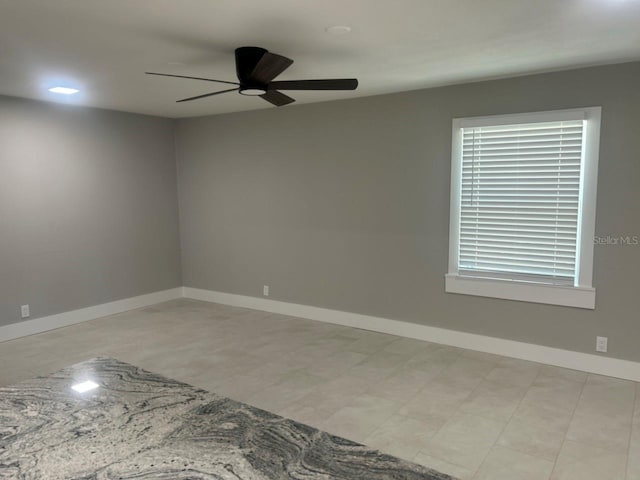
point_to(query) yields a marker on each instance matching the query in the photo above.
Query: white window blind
(520, 201)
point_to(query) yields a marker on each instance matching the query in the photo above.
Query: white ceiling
(104, 47)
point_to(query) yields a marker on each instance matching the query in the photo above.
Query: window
(523, 194)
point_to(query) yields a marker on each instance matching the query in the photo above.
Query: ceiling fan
(256, 68)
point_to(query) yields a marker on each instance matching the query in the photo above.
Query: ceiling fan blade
(329, 84)
(277, 98)
(192, 78)
(207, 95)
(269, 67)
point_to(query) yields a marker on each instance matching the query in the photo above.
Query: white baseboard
(586, 362)
(537, 353)
(51, 322)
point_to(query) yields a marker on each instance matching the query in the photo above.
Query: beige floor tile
(335, 340)
(465, 367)
(407, 346)
(564, 373)
(47, 352)
(585, 462)
(335, 364)
(348, 332)
(402, 436)
(636, 412)
(433, 407)
(604, 413)
(313, 353)
(335, 393)
(487, 357)
(370, 342)
(187, 362)
(554, 391)
(434, 356)
(239, 387)
(515, 372)
(360, 417)
(465, 440)
(537, 430)
(607, 432)
(378, 366)
(285, 392)
(275, 369)
(11, 373)
(505, 464)
(633, 466)
(403, 384)
(443, 466)
(607, 396)
(306, 414)
(302, 379)
(275, 347)
(594, 380)
(493, 400)
(454, 383)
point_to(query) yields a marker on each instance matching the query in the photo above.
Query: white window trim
(582, 294)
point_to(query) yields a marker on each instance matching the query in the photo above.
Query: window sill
(579, 297)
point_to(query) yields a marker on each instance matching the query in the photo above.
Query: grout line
(573, 414)
(458, 411)
(460, 350)
(633, 412)
(509, 421)
(398, 404)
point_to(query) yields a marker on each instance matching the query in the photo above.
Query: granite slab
(140, 425)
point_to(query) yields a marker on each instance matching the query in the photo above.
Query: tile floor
(469, 414)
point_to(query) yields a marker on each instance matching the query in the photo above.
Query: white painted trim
(537, 353)
(527, 117)
(51, 322)
(582, 295)
(454, 201)
(568, 296)
(588, 195)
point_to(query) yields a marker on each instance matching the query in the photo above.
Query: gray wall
(345, 205)
(88, 207)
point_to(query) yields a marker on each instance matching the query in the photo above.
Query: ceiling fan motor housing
(246, 60)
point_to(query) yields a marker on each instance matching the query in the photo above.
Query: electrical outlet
(601, 344)
(24, 311)
(265, 290)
